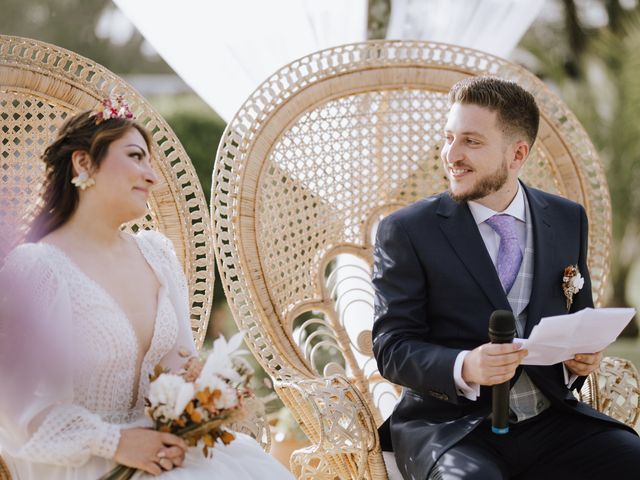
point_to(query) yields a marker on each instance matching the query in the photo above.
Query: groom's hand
(492, 363)
(584, 363)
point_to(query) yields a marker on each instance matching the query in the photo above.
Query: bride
(88, 312)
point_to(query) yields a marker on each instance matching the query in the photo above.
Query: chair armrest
(340, 426)
(614, 389)
(254, 424)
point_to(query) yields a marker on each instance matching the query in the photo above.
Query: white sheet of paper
(559, 338)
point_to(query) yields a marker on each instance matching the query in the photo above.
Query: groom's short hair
(516, 108)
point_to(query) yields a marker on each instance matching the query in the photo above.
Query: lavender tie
(509, 252)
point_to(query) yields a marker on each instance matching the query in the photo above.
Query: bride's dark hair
(59, 197)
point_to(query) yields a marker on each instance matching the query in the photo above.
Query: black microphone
(502, 328)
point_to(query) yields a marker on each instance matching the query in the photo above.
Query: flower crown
(112, 108)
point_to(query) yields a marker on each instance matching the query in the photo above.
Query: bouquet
(199, 401)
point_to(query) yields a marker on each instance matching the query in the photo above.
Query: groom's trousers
(554, 445)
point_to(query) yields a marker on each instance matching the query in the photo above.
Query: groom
(442, 266)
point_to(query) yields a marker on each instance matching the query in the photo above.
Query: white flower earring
(83, 181)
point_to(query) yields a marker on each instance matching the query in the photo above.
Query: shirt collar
(516, 208)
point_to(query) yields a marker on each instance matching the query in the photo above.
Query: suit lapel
(543, 254)
(461, 231)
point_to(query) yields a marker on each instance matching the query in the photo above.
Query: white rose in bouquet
(169, 395)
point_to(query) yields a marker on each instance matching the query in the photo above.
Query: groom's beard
(486, 185)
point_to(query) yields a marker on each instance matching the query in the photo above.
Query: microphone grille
(502, 322)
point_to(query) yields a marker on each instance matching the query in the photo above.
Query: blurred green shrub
(200, 134)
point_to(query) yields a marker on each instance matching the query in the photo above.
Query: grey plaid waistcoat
(525, 399)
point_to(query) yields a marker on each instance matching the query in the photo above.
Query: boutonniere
(572, 283)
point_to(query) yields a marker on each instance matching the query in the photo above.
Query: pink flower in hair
(112, 108)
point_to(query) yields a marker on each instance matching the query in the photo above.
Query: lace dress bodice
(107, 346)
(86, 378)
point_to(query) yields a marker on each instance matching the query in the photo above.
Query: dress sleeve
(176, 283)
(38, 420)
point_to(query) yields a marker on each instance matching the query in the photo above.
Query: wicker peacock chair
(318, 154)
(40, 86)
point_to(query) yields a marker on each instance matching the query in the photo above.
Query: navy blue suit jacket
(436, 288)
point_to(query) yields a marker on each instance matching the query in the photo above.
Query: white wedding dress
(70, 362)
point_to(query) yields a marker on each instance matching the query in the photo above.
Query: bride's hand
(149, 450)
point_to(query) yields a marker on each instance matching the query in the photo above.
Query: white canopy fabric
(493, 26)
(225, 49)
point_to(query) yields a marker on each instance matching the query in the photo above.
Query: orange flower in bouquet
(199, 402)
